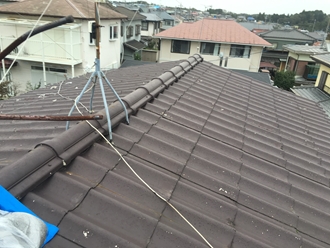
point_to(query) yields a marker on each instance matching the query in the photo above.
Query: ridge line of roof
(51, 155)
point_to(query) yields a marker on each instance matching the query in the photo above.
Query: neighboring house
(279, 38)
(222, 42)
(300, 62)
(130, 32)
(319, 92)
(63, 52)
(323, 77)
(241, 18)
(168, 21)
(247, 164)
(150, 26)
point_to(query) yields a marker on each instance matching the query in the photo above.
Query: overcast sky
(253, 6)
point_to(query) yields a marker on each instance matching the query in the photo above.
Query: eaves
(321, 61)
(213, 41)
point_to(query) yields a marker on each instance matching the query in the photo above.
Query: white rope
(146, 184)
(22, 47)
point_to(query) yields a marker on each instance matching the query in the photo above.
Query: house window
(40, 68)
(210, 48)
(92, 32)
(168, 23)
(240, 51)
(145, 26)
(323, 80)
(180, 46)
(121, 31)
(129, 32)
(113, 32)
(137, 29)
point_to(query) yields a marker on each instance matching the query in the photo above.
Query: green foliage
(30, 87)
(215, 11)
(8, 89)
(284, 79)
(309, 20)
(151, 44)
(4, 90)
(137, 56)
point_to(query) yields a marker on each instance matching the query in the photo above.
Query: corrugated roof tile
(242, 161)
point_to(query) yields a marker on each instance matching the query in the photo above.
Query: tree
(284, 79)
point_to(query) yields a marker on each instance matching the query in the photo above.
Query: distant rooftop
(288, 34)
(322, 58)
(304, 49)
(224, 31)
(151, 17)
(253, 25)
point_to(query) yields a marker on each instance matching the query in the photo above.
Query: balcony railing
(54, 46)
(311, 72)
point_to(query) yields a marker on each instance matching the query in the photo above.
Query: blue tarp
(10, 204)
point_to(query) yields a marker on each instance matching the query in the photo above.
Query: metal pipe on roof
(51, 117)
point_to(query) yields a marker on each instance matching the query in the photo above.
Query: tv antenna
(98, 75)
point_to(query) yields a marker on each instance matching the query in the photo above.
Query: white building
(130, 32)
(63, 52)
(221, 42)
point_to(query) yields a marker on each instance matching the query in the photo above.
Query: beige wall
(326, 69)
(300, 57)
(251, 64)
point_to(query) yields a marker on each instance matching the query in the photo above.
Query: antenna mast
(98, 75)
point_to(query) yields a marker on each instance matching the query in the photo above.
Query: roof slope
(246, 163)
(80, 9)
(151, 17)
(288, 34)
(216, 30)
(315, 94)
(129, 13)
(322, 58)
(17, 138)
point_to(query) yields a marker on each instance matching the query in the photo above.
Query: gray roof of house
(316, 35)
(252, 25)
(129, 13)
(151, 17)
(314, 94)
(260, 76)
(322, 58)
(134, 45)
(246, 163)
(287, 34)
(301, 49)
(129, 63)
(163, 15)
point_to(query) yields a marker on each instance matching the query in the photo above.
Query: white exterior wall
(252, 63)
(151, 30)
(110, 49)
(64, 49)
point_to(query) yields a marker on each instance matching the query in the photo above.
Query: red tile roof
(225, 31)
